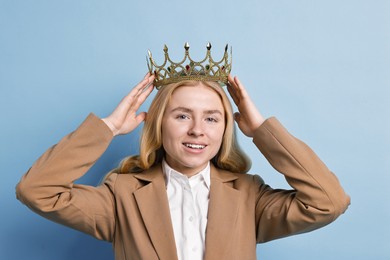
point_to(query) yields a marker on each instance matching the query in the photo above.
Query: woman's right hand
(124, 118)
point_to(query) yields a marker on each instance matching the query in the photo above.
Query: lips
(195, 146)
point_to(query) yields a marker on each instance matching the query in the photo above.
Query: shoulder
(248, 181)
(133, 180)
(123, 181)
(238, 180)
(249, 186)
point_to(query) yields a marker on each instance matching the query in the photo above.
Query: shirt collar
(204, 174)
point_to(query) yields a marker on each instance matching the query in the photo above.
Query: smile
(195, 146)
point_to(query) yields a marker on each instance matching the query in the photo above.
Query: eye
(212, 119)
(182, 117)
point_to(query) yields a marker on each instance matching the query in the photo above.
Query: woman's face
(192, 128)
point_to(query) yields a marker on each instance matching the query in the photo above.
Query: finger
(138, 89)
(232, 82)
(135, 121)
(230, 78)
(143, 83)
(140, 118)
(237, 116)
(127, 102)
(240, 87)
(146, 92)
(150, 83)
(138, 101)
(132, 123)
(236, 87)
(232, 89)
(142, 97)
(232, 93)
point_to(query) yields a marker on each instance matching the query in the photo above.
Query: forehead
(196, 96)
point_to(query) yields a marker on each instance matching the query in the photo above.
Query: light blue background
(322, 67)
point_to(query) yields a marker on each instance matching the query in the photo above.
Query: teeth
(195, 146)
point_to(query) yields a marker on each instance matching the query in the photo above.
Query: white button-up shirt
(188, 203)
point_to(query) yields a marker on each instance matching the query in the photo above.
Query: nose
(196, 128)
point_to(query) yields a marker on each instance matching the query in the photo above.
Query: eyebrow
(188, 110)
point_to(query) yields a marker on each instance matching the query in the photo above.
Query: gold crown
(188, 69)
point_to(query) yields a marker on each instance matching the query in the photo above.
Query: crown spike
(187, 46)
(149, 54)
(208, 46)
(226, 47)
(165, 48)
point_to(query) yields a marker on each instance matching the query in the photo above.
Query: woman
(187, 195)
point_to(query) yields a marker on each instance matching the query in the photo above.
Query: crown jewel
(187, 69)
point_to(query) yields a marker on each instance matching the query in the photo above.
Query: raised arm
(317, 197)
(48, 187)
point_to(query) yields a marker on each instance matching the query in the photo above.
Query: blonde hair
(229, 157)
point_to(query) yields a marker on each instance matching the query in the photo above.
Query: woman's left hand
(248, 118)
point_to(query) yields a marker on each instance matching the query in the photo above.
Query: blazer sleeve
(48, 187)
(317, 197)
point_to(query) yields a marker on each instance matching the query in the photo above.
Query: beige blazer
(132, 211)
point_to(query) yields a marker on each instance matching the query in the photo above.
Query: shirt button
(191, 218)
(193, 249)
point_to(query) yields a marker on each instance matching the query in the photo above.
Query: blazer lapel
(154, 207)
(222, 215)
